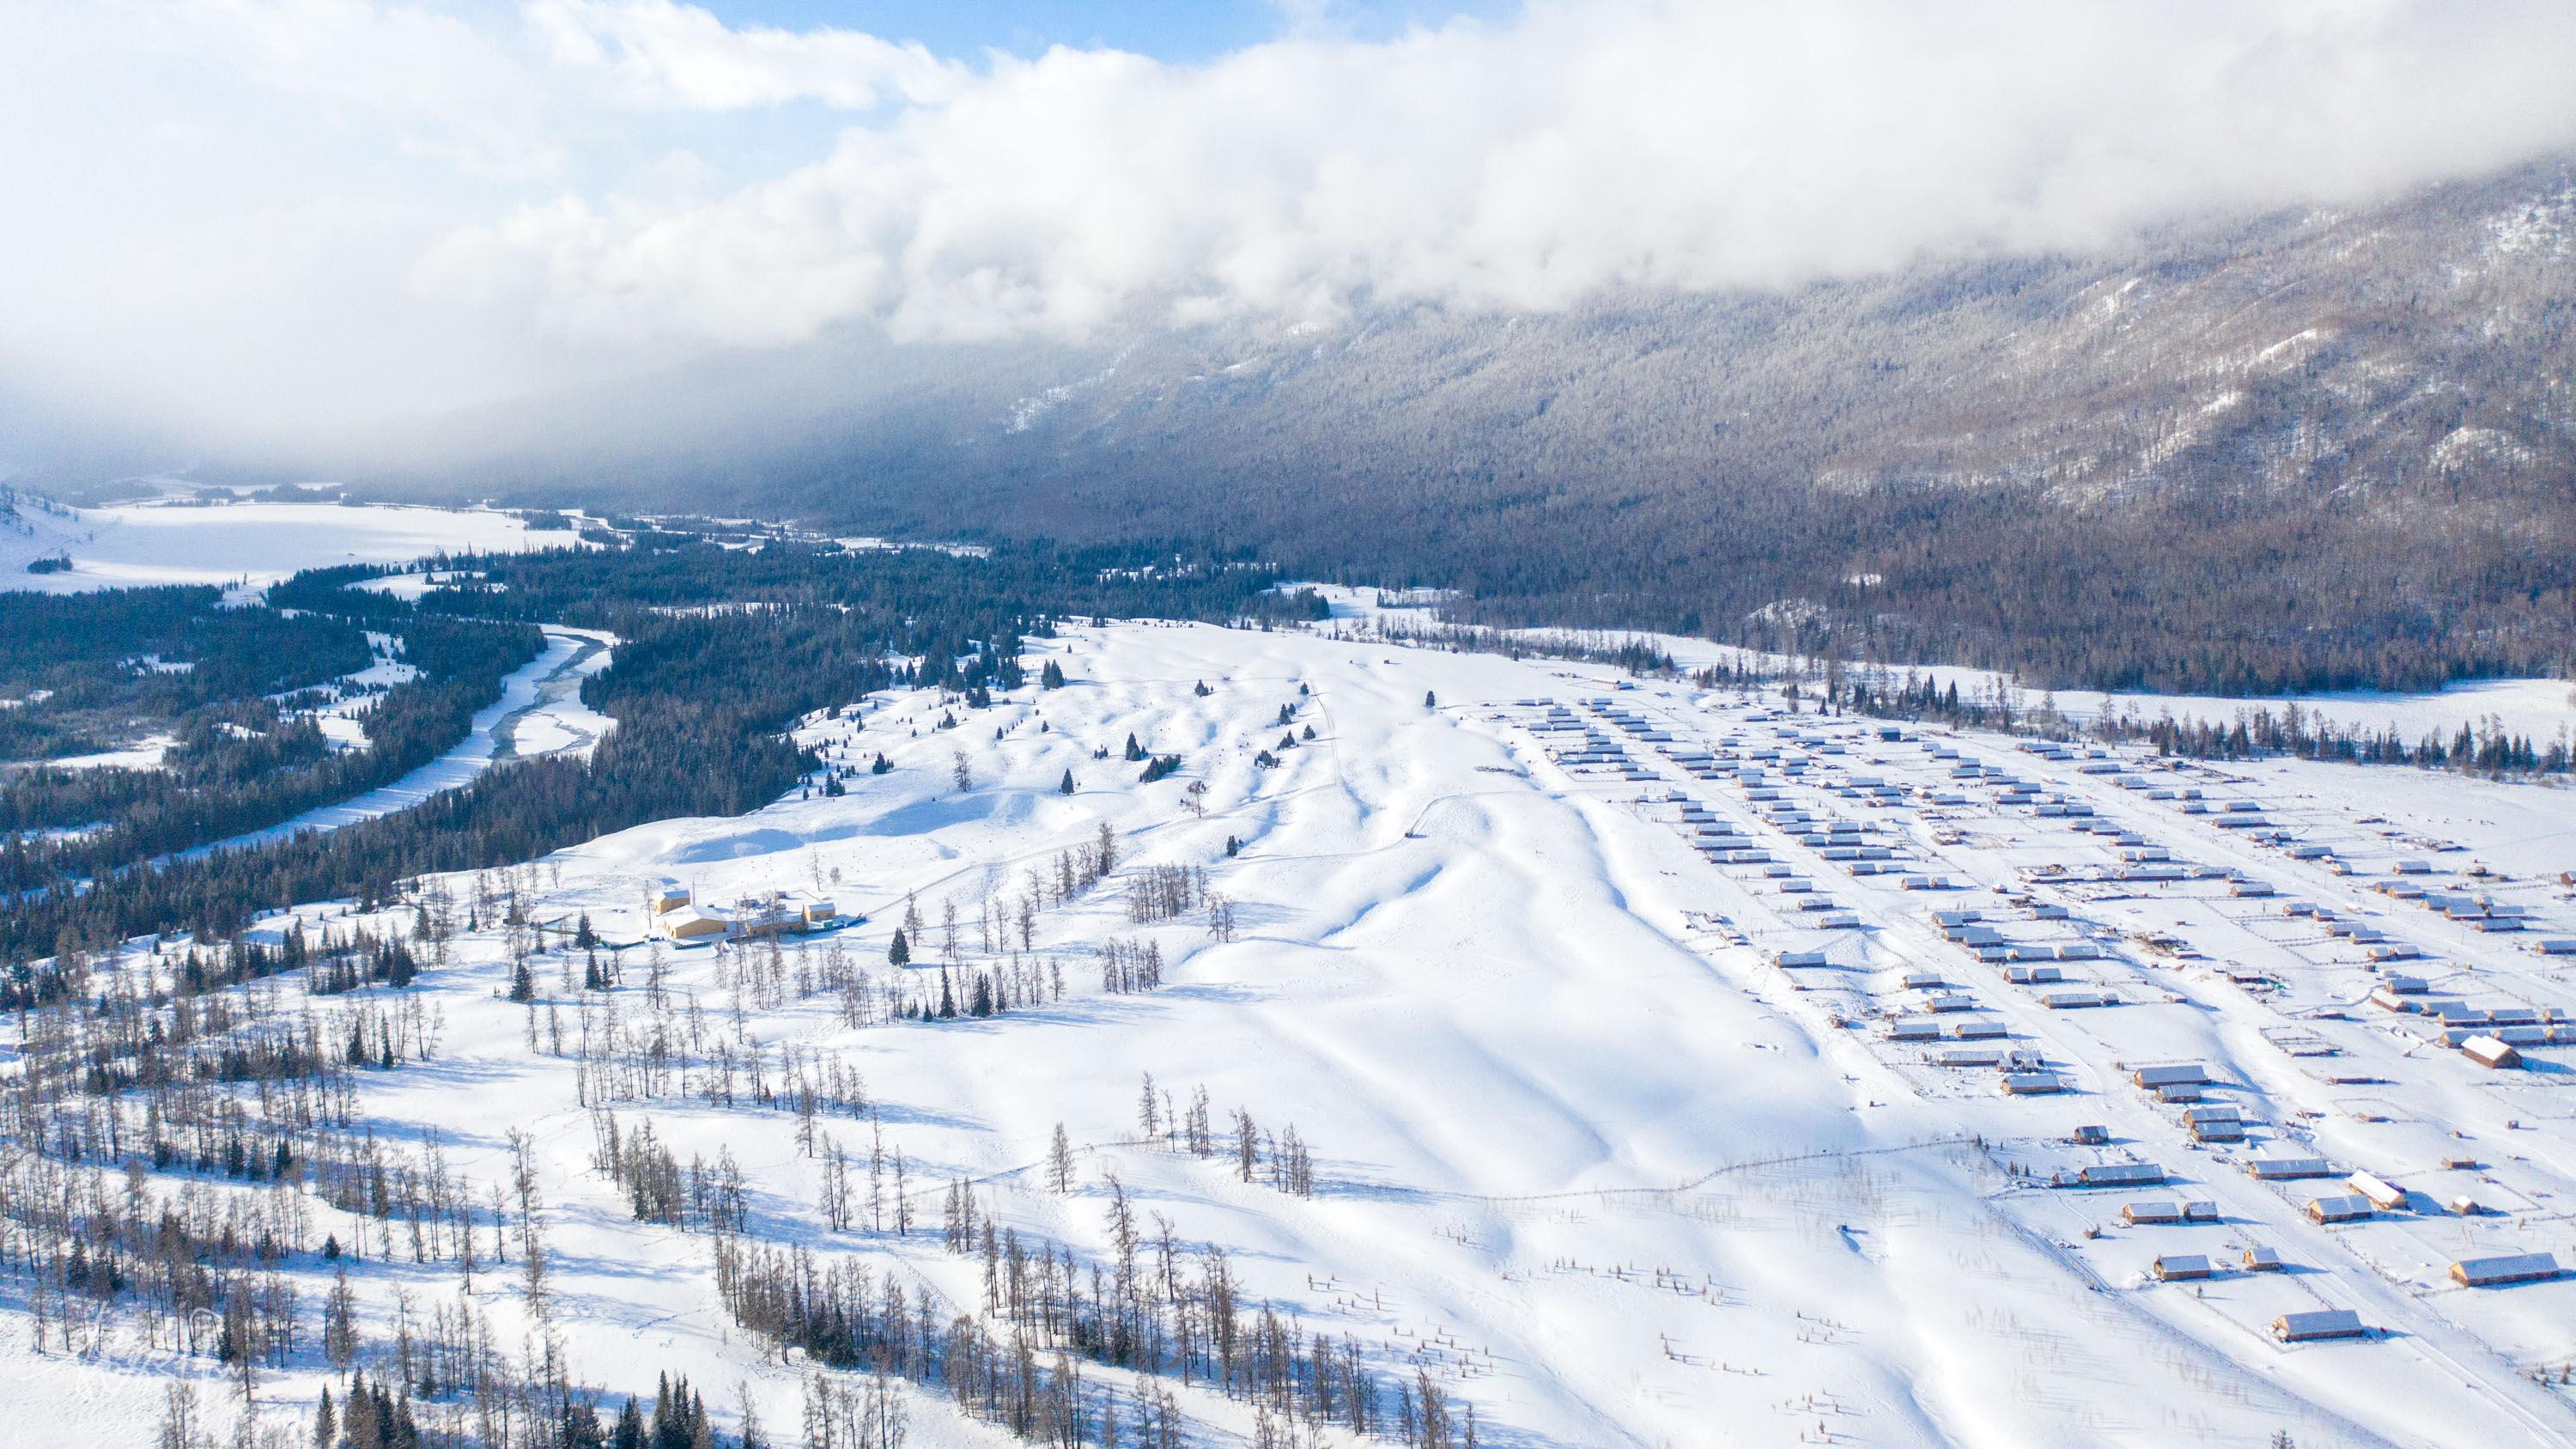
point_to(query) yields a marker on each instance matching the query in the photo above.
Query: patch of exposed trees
(1280, 1160)
(1166, 1309)
(1161, 892)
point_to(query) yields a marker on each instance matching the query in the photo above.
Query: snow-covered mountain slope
(1591, 1149)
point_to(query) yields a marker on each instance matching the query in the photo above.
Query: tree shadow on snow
(923, 816)
(737, 845)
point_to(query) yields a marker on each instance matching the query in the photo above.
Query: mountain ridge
(2306, 449)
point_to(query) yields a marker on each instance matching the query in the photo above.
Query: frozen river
(540, 712)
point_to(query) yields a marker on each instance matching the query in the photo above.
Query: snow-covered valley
(1647, 1095)
(243, 547)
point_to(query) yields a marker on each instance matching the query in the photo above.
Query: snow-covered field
(1585, 1150)
(248, 545)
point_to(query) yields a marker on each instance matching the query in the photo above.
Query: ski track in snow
(1495, 995)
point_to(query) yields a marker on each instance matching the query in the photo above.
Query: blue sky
(1180, 31)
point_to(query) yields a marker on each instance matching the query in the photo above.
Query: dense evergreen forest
(85, 672)
(962, 591)
(243, 751)
(721, 651)
(2215, 579)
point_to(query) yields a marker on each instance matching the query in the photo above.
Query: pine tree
(1430, 700)
(1060, 1162)
(340, 1329)
(1065, 786)
(365, 1418)
(523, 983)
(1051, 677)
(1135, 751)
(882, 766)
(900, 952)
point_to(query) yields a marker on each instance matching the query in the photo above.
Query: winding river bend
(539, 713)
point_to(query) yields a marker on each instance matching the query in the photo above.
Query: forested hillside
(2306, 449)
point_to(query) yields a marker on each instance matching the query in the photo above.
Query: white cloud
(680, 55)
(1586, 146)
(452, 91)
(482, 192)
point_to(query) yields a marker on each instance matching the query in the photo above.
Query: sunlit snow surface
(1582, 1150)
(252, 544)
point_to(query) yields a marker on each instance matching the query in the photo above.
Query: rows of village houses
(675, 915)
(1988, 926)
